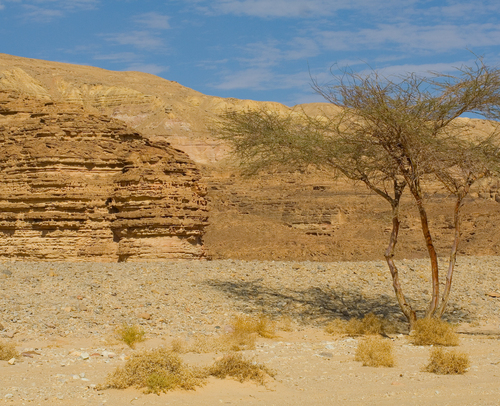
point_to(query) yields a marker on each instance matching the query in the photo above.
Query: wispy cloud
(294, 8)
(409, 38)
(48, 10)
(41, 14)
(263, 54)
(152, 68)
(139, 39)
(117, 57)
(262, 79)
(152, 20)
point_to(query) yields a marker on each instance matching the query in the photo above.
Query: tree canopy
(391, 134)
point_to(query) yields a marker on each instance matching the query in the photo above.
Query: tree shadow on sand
(314, 305)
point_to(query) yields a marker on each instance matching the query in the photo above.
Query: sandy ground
(62, 318)
(312, 369)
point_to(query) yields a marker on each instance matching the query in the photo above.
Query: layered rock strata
(77, 186)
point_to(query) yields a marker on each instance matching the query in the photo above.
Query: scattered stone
(326, 354)
(12, 361)
(84, 355)
(10, 333)
(6, 272)
(145, 316)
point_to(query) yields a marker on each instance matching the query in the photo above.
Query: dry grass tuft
(242, 335)
(285, 323)
(234, 365)
(261, 326)
(375, 352)
(130, 335)
(157, 371)
(179, 346)
(368, 325)
(7, 351)
(447, 362)
(432, 331)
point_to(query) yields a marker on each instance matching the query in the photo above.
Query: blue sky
(253, 49)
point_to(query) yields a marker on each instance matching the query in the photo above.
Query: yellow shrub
(447, 362)
(375, 351)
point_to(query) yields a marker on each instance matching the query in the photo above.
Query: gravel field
(63, 316)
(88, 299)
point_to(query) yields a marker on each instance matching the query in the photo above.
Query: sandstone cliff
(76, 185)
(277, 216)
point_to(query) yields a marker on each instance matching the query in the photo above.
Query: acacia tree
(392, 135)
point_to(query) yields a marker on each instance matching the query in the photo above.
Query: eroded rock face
(78, 186)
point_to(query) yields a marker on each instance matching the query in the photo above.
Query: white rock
(12, 361)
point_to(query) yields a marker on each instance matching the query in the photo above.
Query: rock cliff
(78, 186)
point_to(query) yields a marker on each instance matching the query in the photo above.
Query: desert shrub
(447, 362)
(432, 331)
(7, 351)
(179, 346)
(236, 366)
(368, 325)
(242, 335)
(157, 370)
(375, 352)
(285, 323)
(130, 335)
(260, 325)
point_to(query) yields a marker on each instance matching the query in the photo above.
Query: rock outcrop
(78, 186)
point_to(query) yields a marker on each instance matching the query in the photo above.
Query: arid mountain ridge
(278, 216)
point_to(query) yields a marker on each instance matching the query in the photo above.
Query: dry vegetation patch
(432, 331)
(236, 366)
(7, 351)
(375, 351)
(447, 362)
(157, 370)
(242, 335)
(368, 325)
(130, 335)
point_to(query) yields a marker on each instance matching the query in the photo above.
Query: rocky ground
(62, 317)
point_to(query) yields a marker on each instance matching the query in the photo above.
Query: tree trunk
(417, 194)
(453, 253)
(389, 256)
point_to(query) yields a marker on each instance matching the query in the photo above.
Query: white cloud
(138, 39)
(153, 20)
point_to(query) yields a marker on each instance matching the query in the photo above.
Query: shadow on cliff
(313, 305)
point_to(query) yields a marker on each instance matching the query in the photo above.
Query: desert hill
(278, 216)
